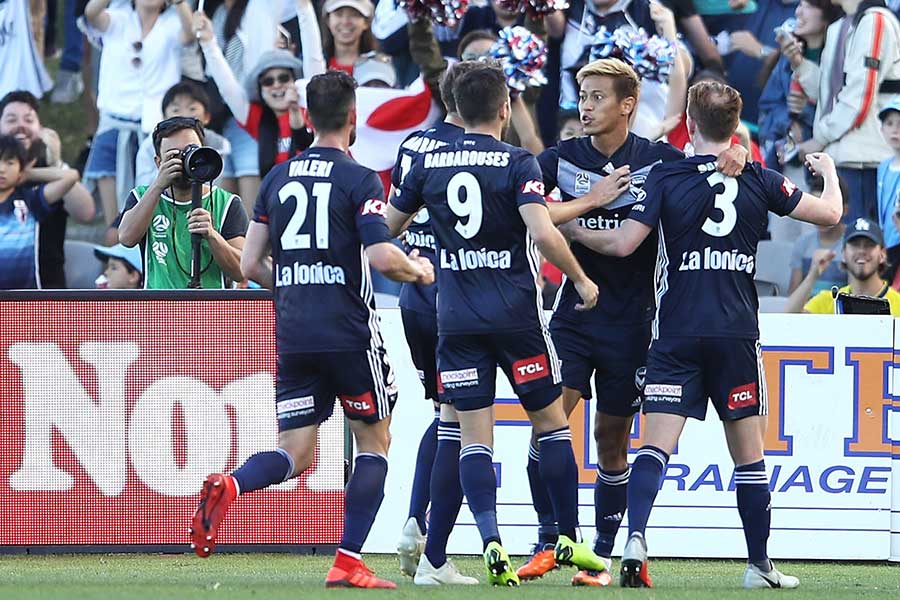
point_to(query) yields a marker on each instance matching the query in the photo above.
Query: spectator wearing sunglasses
(140, 61)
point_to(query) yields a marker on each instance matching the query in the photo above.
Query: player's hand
(426, 269)
(819, 163)
(588, 291)
(664, 19)
(202, 26)
(200, 221)
(170, 169)
(610, 187)
(810, 146)
(821, 258)
(731, 162)
(570, 229)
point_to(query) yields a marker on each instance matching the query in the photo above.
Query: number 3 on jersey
(470, 208)
(291, 238)
(725, 203)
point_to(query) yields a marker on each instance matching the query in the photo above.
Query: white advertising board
(828, 453)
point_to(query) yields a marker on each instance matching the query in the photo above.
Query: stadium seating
(773, 267)
(82, 267)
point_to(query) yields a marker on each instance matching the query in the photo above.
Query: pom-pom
(441, 12)
(650, 57)
(536, 9)
(522, 55)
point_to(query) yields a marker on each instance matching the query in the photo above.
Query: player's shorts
(308, 384)
(615, 356)
(421, 336)
(467, 367)
(682, 372)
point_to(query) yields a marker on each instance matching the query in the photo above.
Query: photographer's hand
(200, 221)
(169, 169)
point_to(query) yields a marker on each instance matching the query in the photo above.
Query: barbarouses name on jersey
(717, 260)
(466, 158)
(311, 168)
(468, 260)
(314, 274)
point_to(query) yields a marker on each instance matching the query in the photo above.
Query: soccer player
(436, 477)
(600, 177)
(486, 203)
(706, 334)
(322, 216)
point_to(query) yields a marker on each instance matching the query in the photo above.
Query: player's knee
(301, 456)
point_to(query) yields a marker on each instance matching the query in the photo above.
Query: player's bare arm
(390, 261)
(397, 220)
(826, 209)
(554, 247)
(256, 262)
(621, 241)
(602, 193)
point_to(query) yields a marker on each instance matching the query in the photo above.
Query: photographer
(159, 217)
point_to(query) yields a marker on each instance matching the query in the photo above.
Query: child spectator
(889, 188)
(140, 60)
(185, 99)
(27, 197)
(122, 267)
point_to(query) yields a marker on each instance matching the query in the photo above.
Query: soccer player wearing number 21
(322, 216)
(706, 334)
(486, 202)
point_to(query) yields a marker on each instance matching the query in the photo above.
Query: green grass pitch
(296, 577)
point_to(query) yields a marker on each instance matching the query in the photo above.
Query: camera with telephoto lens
(201, 164)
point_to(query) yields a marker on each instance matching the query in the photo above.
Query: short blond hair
(625, 81)
(715, 108)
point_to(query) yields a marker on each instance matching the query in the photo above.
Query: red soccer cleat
(218, 492)
(540, 563)
(592, 578)
(352, 572)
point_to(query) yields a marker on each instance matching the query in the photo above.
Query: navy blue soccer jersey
(415, 296)
(709, 227)
(323, 209)
(626, 284)
(487, 263)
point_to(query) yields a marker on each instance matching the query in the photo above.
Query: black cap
(866, 228)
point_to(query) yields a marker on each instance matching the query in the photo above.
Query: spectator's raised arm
(426, 53)
(184, 15)
(310, 39)
(231, 90)
(96, 14)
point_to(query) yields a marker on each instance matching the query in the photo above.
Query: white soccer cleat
(446, 574)
(755, 578)
(410, 547)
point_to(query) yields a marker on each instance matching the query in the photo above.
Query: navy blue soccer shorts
(421, 335)
(683, 372)
(309, 383)
(614, 355)
(467, 367)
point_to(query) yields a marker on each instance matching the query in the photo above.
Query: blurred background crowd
(92, 79)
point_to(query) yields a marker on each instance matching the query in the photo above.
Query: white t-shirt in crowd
(132, 89)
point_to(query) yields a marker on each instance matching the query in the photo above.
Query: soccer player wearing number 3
(706, 335)
(322, 216)
(486, 202)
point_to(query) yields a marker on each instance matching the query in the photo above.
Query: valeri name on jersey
(717, 260)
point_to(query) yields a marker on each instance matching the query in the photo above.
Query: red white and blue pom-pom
(536, 9)
(522, 56)
(651, 57)
(441, 12)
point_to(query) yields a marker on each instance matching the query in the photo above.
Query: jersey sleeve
(548, 160)
(368, 200)
(820, 304)
(529, 183)
(261, 208)
(648, 210)
(403, 163)
(408, 197)
(37, 203)
(783, 195)
(235, 222)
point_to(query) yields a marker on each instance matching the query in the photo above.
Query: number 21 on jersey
(291, 238)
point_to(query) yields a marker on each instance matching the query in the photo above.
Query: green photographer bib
(167, 250)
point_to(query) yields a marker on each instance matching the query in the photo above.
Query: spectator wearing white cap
(347, 32)
(122, 267)
(374, 69)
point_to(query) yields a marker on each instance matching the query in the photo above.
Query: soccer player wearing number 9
(706, 336)
(322, 216)
(486, 203)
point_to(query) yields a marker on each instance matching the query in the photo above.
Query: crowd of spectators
(814, 75)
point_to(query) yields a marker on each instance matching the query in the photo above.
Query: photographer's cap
(894, 104)
(132, 256)
(866, 228)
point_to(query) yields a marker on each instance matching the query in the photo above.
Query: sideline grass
(276, 576)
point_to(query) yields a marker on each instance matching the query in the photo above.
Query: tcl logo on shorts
(533, 186)
(742, 397)
(361, 405)
(374, 207)
(529, 369)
